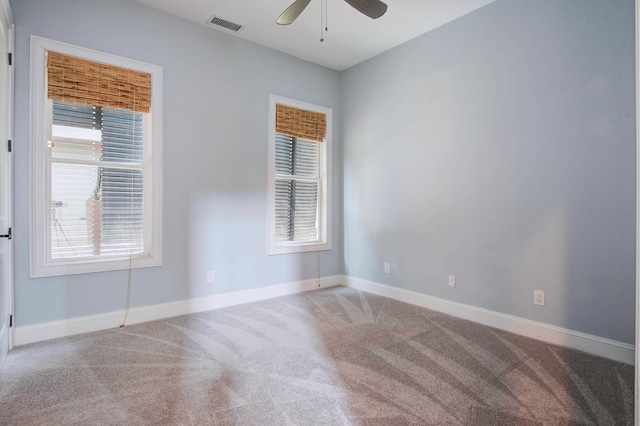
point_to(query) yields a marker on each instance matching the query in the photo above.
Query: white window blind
(96, 181)
(297, 185)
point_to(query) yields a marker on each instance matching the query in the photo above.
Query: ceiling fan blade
(292, 12)
(372, 8)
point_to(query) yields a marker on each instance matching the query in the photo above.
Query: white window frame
(324, 170)
(40, 124)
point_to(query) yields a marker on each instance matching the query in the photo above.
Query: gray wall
(501, 148)
(215, 105)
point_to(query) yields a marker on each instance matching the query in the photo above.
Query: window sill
(298, 248)
(55, 269)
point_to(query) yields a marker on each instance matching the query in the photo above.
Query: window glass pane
(296, 211)
(283, 219)
(120, 131)
(306, 158)
(74, 115)
(96, 210)
(305, 208)
(122, 211)
(88, 222)
(75, 133)
(121, 136)
(76, 150)
(70, 221)
(284, 154)
(296, 157)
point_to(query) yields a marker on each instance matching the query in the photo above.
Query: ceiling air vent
(223, 24)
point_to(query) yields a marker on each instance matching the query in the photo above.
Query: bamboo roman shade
(77, 80)
(299, 123)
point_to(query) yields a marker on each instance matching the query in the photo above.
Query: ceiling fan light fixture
(371, 8)
(292, 12)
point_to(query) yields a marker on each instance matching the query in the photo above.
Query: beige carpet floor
(335, 356)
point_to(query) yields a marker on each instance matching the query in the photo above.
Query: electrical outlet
(452, 280)
(538, 297)
(387, 268)
(211, 277)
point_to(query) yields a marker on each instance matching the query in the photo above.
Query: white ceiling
(351, 38)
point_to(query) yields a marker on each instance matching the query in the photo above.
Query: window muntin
(96, 183)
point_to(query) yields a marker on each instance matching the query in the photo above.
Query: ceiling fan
(371, 8)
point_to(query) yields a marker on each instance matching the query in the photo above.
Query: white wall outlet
(452, 280)
(538, 297)
(387, 268)
(211, 277)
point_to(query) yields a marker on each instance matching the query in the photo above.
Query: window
(96, 156)
(299, 176)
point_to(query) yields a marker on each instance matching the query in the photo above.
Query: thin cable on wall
(128, 302)
(131, 227)
(126, 309)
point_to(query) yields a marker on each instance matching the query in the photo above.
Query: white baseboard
(606, 348)
(63, 328)
(611, 349)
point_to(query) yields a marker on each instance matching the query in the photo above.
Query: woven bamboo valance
(77, 80)
(299, 123)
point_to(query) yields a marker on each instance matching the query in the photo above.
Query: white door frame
(7, 18)
(637, 319)
(11, 49)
